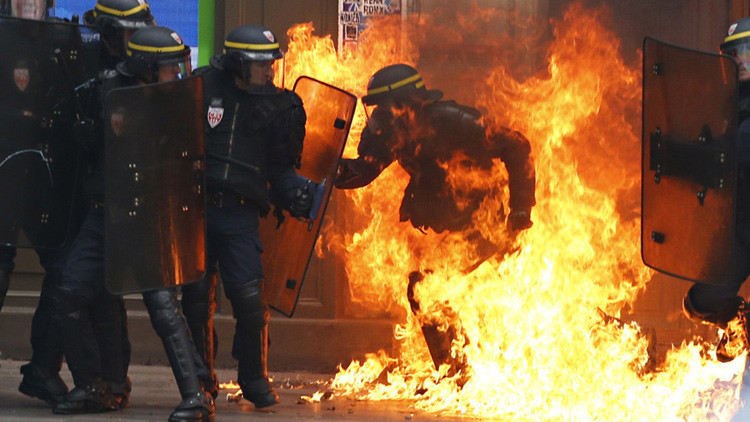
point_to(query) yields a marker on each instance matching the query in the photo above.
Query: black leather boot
(119, 394)
(42, 385)
(93, 398)
(197, 407)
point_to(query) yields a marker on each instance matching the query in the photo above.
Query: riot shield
(154, 201)
(689, 170)
(288, 248)
(42, 63)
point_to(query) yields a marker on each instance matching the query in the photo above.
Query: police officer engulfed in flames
(410, 125)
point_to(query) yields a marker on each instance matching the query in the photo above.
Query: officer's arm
(374, 157)
(289, 190)
(515, 152)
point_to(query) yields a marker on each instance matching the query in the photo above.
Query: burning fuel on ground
(537, 329)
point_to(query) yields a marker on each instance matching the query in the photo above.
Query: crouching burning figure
(427, 137)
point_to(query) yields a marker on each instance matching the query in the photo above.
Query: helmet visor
(174, 69)
(741, 53)
(259, 72)
(29, 9)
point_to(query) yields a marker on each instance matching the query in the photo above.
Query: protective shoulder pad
(203, 69)
(453, 117)
(285, 99)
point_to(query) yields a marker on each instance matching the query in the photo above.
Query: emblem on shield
(21, 78)
(116, 120)
(215, 115)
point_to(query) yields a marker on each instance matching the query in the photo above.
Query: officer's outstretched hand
(302, 202)
(519, 220)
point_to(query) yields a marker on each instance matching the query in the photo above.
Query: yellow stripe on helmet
(243, 46)
(150, 49)
(116, 12)
(737, 36)
(400, 83)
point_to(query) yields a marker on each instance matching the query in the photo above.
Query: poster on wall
(354, 14)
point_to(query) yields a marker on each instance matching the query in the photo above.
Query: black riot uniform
(410, 125)
(38, 86)
(149, 51)
(718, 304)
(254, 134)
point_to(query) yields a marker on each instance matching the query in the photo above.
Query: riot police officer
(254, 134)
(154, 54)
(41, 375)
(117, 20)
(718, 304)
(411, 125)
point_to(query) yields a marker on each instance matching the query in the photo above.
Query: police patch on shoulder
(215, 113)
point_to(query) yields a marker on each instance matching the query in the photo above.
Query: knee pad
(164, 311)
(248, 306)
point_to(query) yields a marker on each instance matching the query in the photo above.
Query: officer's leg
(233, 238)
(170, 325)
(718, 304)
(250, 345)
(439, 340)
(198, 306)
(79, 286)
(110, 328)
(41, 376)
(7, 254)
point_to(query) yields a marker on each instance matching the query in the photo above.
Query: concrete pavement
(155, 395)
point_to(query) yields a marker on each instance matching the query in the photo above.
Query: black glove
(302, 202)
(519, 220)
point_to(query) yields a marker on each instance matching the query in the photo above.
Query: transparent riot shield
(42, 64)
(154, 202)
(287, 250)
(689, 170)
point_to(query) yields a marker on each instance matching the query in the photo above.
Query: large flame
(538, 328)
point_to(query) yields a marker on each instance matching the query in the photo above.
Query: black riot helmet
(115, 18)
(397, 81)
(737, 45)
(152, 48)
(131, 14)
(27, 9)
(245, 44)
